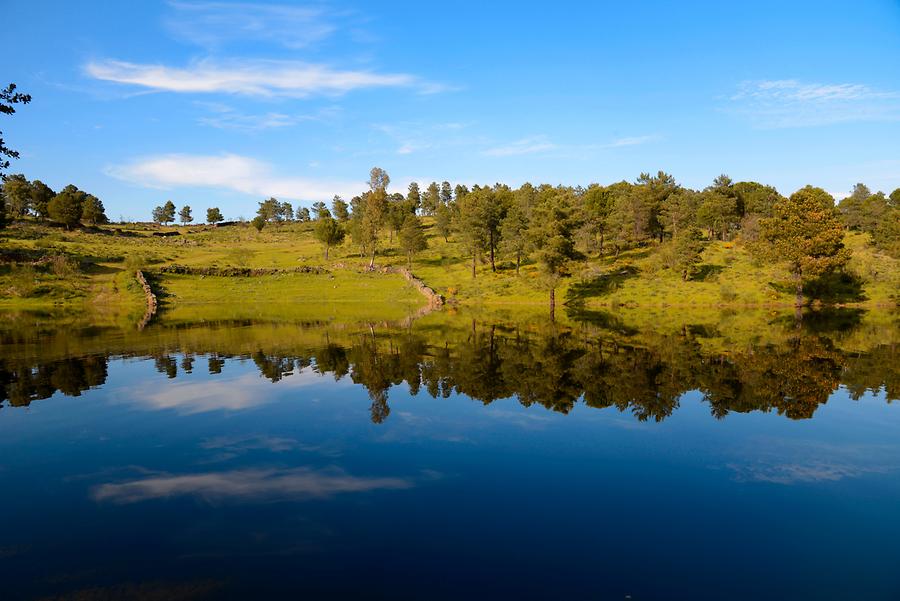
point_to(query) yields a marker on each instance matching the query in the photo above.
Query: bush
(727, 293)
(63, 266)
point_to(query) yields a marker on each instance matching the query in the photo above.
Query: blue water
(231, 486)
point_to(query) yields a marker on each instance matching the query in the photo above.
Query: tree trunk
(372, 261)
(409, 261)
(601, 244)
(473, 266)
(493, 267)
(518, 261)
(552, 304)
(326, 252)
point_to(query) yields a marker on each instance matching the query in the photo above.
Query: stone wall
(151, 300)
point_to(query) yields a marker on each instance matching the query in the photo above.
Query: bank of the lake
(93, 268)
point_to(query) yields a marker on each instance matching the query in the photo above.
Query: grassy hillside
(45, 266)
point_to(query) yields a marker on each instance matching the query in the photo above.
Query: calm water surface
(451, 458)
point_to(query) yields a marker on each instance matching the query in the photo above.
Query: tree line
(70, 206)
(556, 227)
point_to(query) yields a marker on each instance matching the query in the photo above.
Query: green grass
(106, 259)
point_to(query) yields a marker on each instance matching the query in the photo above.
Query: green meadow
(94, 268)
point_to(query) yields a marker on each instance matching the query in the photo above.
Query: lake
(452, 456)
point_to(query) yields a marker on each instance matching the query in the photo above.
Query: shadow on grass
(706, 273)
(598, 286)
(830, 289)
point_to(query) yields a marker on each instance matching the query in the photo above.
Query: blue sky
(224, 104)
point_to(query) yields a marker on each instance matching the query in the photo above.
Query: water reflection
(792, 370)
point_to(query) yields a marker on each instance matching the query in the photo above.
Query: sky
(225, 104)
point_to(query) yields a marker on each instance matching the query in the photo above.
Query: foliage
(340, 209)
(214, 215)
(329, 232)
(8, 98)
(92, 210)
(66, 207)
(41, 195)
(258, 222)
(184, 215)
(412, 238)
(17, 191)
(806, 233)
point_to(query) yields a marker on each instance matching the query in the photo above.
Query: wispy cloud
(245, 484)
(411, 137)
(223, 116)
(258, 77)
(213, 24)
(524, 146)
(790, 103)
(541, 144)
(632, 141)
(228, 172)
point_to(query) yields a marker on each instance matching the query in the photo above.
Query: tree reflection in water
(792, 373)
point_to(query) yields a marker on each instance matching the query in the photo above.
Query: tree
(159, 215)
(374, 210)
(630, 219)
(8, 98)
(514, 233)
(214, 215)
(679, 211)
(185, 215)
(470, 226)
(550, 233)
(66, 207)
(755, 199)
(329, 232)
(886, 236)
(168, 212)
(41, 195)
(270, 210)
(805, 231)
(258, 222)
(92, 210)
(319, 210)
(863, 210)
(895, 199)
(443, 221)
(17, 191)
(303, 215)
(340, 209)
(286, 211)
(685, 252)
(432, 199)
(412, 238)
(717, 212)
(446, 194)
(413, 196)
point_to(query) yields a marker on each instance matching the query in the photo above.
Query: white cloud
(539, 144)
(225, 117)
(416, 136)
(212, 24)
(632, 141)
(229, 172)
(254, 484)
(790, 103)
(520, 147)
(266, 78)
